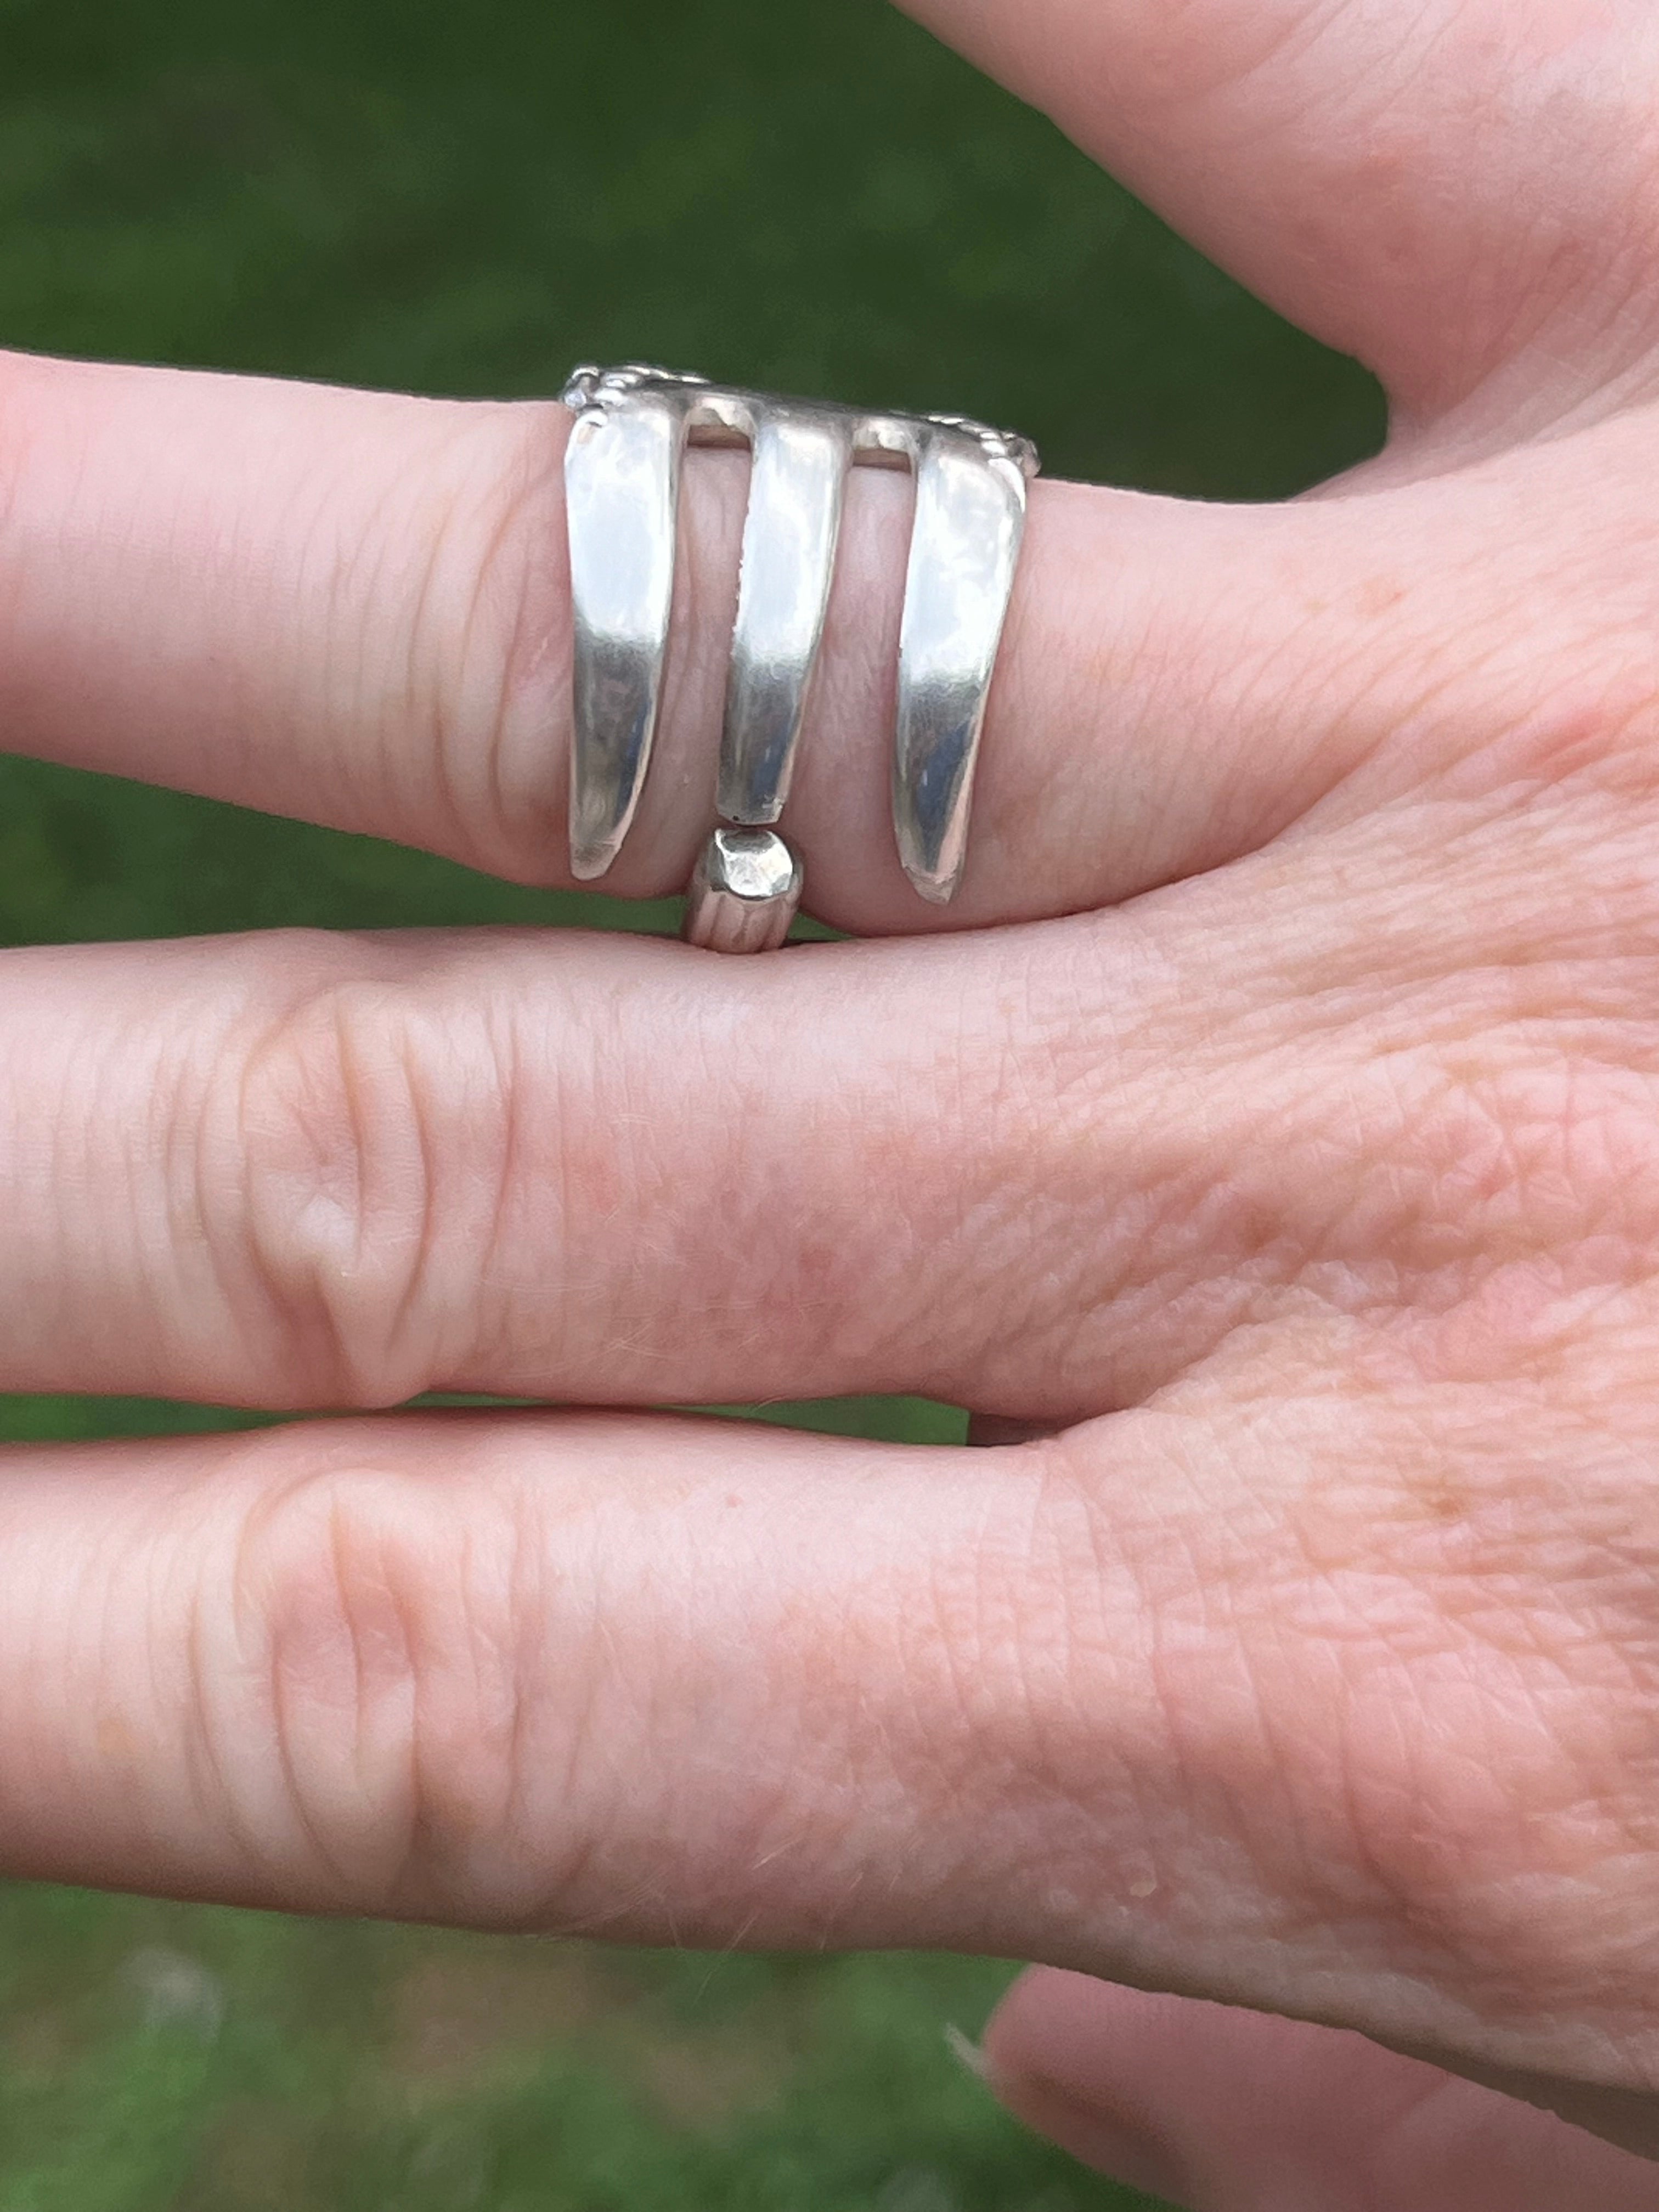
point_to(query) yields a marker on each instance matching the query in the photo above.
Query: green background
(467, 199)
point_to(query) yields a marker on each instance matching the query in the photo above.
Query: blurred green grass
(467, 200)
(211, 2060)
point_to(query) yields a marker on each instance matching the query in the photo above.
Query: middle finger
(1037, 1172)
(300, 1170)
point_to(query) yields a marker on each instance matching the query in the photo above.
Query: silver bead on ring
(622, 491)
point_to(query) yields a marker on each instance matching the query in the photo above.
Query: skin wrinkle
(523, 579)
(353, 1625)
(197, 1134)
(466, 1290)
(1094, 1633)
(1570, 255)
(304, 1617)
(455, 582)
(1014, 1141)
(1505, 733)
(1314, 1851)
(445, 1836)
(528, 1583)
(57, 1152)
(428, 573)
(319, 538)
(348, 573)
(105, 1685)
(1479, 1584)
(1406, 717)
(158, 1253)
(193, 1266)
(158, 1668)
(344, 1094)
(406, 677)
(366, 1110)
(465, 601)
(515, 1166)
(1361, 1511)
(1408, 1125)
(1336, 1156)
(1411, 1120)
(1252, 806)
(226, 1119)
(221, 1753)
(1593, 755)
(379, 1623)
(231, 1709)
(417, 686)
(295, 1321)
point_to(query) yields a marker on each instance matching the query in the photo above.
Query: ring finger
(355, 608)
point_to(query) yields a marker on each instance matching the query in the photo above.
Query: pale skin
(1296, 1160)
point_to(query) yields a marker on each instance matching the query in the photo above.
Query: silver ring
(621, 493)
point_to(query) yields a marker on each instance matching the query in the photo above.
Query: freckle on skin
(1442, 1500)
(114, 1738)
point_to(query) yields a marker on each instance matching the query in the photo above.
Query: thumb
(1439, 188)
(1224, 2111)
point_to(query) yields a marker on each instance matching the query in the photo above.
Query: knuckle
(367, 1216)
(390, 1660)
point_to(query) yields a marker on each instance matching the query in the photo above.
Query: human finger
(560, 1671)
(312, 1170)
(1040, 1172)
(644, 1678)
(1222, 2109)
(1448, 190)
(1090, 1700)
(355, 608)
(303, 1170)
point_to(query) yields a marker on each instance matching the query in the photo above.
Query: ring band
(622, 469)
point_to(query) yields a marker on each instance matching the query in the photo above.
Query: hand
(1312, 1192)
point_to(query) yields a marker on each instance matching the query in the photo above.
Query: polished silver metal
(744, 892)
(964, 545)
(622, 482)
(789, 539)
(622, 473)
